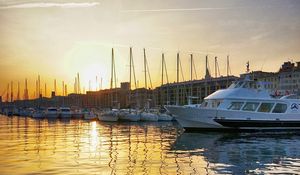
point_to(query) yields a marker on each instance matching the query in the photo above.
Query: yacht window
(204, 104)
(265, 107)
(239, 84)
(235, 105)
(246, 85)
(216, 103)
(233, 84)
(280, 108)
(250, 106)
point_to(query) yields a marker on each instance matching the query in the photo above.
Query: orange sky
(57, 39)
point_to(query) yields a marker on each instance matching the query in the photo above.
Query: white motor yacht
(245, 105)
(65, 112)
(52, 112)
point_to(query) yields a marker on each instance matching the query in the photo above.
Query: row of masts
(113, 81)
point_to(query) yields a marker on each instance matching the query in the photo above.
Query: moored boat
(245, 105)
(38, 114)
(65, 112)
(147, 116)
(129, 115)
(89, 115)
(108, 116)
(52, 112)
(78, 114)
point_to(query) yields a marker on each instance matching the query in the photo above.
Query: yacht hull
(194, 118)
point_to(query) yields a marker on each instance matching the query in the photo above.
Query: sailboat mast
(177, 89)
(216, 62)
(18, 94)
(112, 67)
(145, 68)
(26, 90)
(11, 92)
(39, 86)
(191, 67)
(130, 67)
(162, 68)
(78, 83)
(66, 90)
(162, 79)
(55, 86)
(7, 93)
(45, 90)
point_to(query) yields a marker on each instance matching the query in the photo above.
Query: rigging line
(195, 69)
(181, 71)
(133, 70)
(149, 74)
(166, 71)
(184, 85)
(219, 74)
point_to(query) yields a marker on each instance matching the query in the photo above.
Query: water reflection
(29, 146)
(241, 153)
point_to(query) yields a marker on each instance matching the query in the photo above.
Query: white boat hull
(194, 117)
(164, 117)
(130, 117)
(149, 117)
(108, 117)
(89, 116)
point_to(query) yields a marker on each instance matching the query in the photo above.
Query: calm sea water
(29, 146)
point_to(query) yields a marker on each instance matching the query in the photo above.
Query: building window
(235, 105)
(250, 106)
(265, 107)
(280, 108)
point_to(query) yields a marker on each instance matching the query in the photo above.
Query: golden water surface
(29, 146)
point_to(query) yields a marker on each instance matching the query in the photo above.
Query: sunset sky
(57, 39)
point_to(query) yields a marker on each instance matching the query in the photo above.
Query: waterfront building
(289, 78)
(285, 81)
(190, 91)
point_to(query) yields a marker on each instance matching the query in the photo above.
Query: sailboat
(111, 116)
(147, 115)
(130, 114)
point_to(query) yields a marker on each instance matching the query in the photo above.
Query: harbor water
(31, 146)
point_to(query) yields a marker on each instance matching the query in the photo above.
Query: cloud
(183, 9)
(48, 4)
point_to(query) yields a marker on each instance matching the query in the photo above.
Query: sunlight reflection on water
(29, 146)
